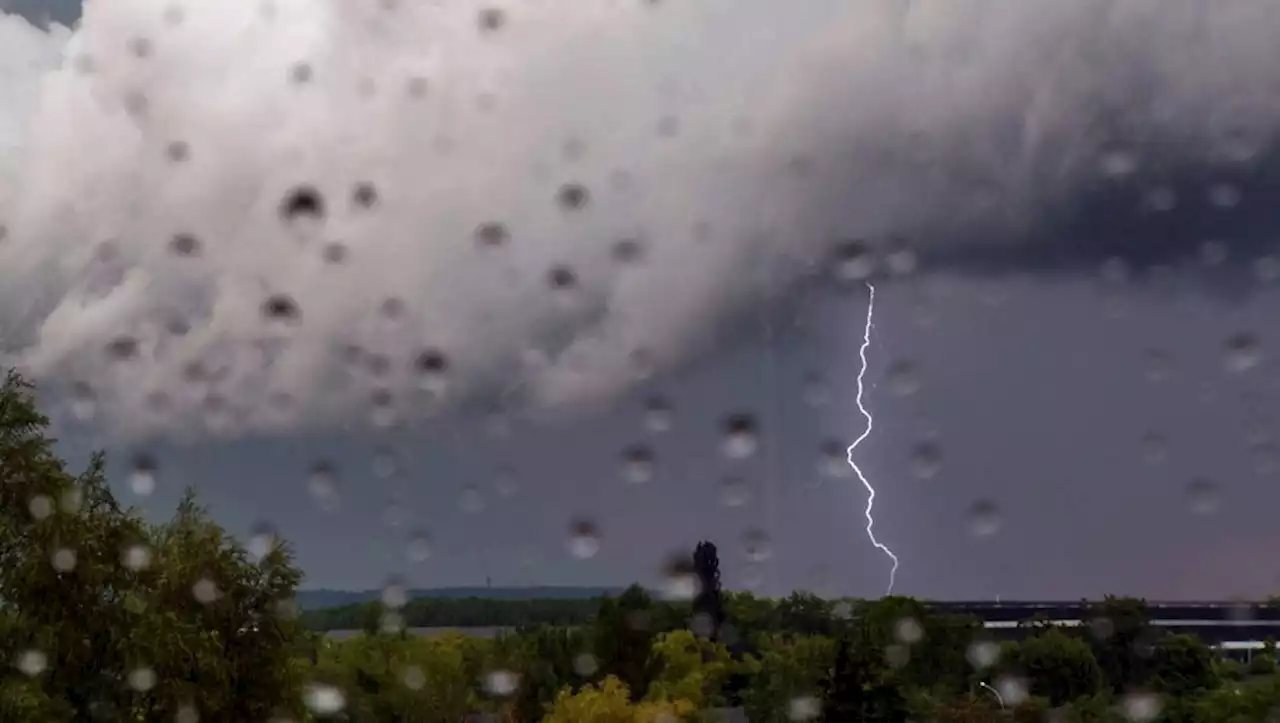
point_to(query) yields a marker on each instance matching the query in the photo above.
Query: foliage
(1058, 667)
(610, 702)
(128, 619)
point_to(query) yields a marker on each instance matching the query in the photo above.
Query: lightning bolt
(871, 491)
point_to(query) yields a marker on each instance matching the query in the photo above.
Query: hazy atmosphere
(404, 277)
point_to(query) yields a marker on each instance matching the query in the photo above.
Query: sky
(505, 277)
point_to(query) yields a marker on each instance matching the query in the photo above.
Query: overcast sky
(1072, 388)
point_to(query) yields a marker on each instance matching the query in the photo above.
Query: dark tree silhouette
(708, 607)
(857, 689)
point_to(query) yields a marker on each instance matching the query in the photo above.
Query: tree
(622, 638)
(129, 620)
(858, 688)
(1055, 666)
(708, 608)
(1123, 641)
(1182, 665)
(789, 674)
(406, 679)
(610, 702)
(689, 668)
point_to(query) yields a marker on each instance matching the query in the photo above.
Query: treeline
(800, 612)
(470, 612)
(108, 617)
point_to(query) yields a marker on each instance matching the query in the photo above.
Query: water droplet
(432, 366)
(364, 196)
(394, 594)
(413, 677)
(1202, 496)
(385, 463)
(628, 251)
(562, 279)
(638, 464)
(1243, 352)
(734, 491)
(419, 547)
(852, 261)
(205, 591)
(833, 459)
(323, 700)
(323, 485)
(816, 391)
(335, 253)
(657, 414)
(184, 244)
(572, 196)
(1213, 253)
(491, 19)
(757, 545)
(903, 378)
(142, 480)
(32, 662)
(1013, 691)
(1118, 163)
(1159, 364)
(262, 540)
(505, 482)
(1224, 195)
(1161, 199)
(584, 539)
(84, 402)
(136, 557)
(983, 654)
(64, 560)
(926, 459)
(301, 73)
(142, 679)
(1141, 707)
(908, 630)
(1155, 447)
(984, 518)
(741, 437)
(585, 665)
(303, 204)
(678, 578)
(40, 507)
(281, 308)
(472, 501)
(178, 151)
(501, 683)
(122, 348)
(492, 235)
(803, 708)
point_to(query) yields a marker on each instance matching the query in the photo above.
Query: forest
(107, 616)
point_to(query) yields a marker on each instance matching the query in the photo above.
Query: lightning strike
(871, 491)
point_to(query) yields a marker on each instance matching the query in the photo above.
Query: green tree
(859, 688)
(1182, 665)
(1056, 666)
(623, 638)
(130, 620)
(789, 676)
(690, 668)
(1123, 641)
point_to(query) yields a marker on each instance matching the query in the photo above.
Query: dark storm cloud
(42, 13)
(1212, 224)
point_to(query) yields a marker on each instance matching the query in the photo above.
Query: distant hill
(320, 599)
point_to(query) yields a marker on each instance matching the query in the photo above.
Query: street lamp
(994, 692)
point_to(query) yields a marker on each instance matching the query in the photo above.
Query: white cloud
(914, 117)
